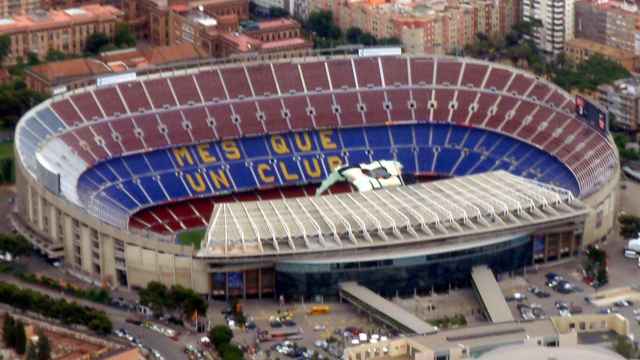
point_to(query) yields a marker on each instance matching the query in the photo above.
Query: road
(151, 339)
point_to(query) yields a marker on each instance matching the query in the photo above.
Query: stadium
(500, 168)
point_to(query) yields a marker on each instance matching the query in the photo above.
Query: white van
(631, 254)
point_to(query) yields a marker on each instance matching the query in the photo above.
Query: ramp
(384, 310)
(490, 295)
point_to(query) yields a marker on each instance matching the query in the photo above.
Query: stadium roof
(419, 212)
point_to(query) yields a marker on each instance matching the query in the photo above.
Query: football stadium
(207, 176)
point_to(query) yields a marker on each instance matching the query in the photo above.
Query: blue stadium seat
(425, 160)
(439, 134)
(255, 148)
(159, 160)
(456, 136)
(106, 172)
(473, 139)
(135, 192)
(467, 163)
(137, 164)
(446, 159)
(356, 157)
(120, 197)
(378, 137)
(407, 157)
(242, 176)
(353, 138)
(118, 167)
(153, 189)
(402, 135)
(173, 185)
(50, 119)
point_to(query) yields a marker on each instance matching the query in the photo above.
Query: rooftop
(58, 18)
(160, 55)
(242, 42)
(409, 214)
(286, 43)
(595, 47)
(73, 68)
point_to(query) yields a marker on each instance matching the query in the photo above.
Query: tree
(9, 331)
(625, 347)
(32, 59)
(5, 47)
(95, 43)
(629, 226)
(320, 22)
(44, 347)
(55, 55)
(368, 39)
(278, 12)
(220, 335)
(231, 352)
(21, 338)
(353, 35)
(123, 36)
(155, 295)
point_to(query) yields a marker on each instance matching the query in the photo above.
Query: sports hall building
(109, 175)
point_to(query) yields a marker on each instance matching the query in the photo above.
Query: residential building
(10, 8)
(62, 30)
(150, 18)
(579, 50)
(610, 23)
(622, 100)
(144, 57)
(60, 76)
(556, 23)
(435, 27)
(553, 338)
(223, 36)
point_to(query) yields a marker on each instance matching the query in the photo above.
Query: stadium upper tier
(119, 148)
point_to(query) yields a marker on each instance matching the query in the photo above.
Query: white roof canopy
(419, 212)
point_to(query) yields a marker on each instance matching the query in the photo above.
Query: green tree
(9, 331)
(625, 347)
(220, 335)
(368, 39)
(5, 47)
(96, 42)
(278, 12)
(124, 37)
(44, 347)
(353, 35)
(155, 296)
(55, 55)
(32, 59)
(230, 352)
(320, 22)
(21, 338)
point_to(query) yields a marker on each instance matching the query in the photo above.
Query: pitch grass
(192, 237)
(6, 150)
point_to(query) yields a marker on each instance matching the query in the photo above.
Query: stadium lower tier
(399, 272)
(128, 184)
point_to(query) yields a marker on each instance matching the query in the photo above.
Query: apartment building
(63, 30)
(622, 100)
(10, 8)
(613, 24)
(433, 27)
(556, 19)
(223, 36)
(579, 50)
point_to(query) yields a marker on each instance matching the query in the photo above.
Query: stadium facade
(108, 175)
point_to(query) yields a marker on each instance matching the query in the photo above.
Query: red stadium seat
(200, 128)
(288, 78)
(520, 85)
(349, 114)
(464, 99)
(296, 106)
(236, 82)
(324, 116)
(153, 136)
(341, 73)
(86, 104)
(422, 97)
(225, 127)
(67, 112)
(421, 71)
(374, 102)
(248, 115)
(448, 72)
(160, 93)
(399, 100)
(134, 96)
(368, 72)
(474, 74)
(262, 81)
(174, 123)
(103, 130)
(126, 129)
(315, 76)
(443, 98)
(274, 119)
(110, 101)
(185, 89)
(498, 79)
(210, 85)
(395, 71)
